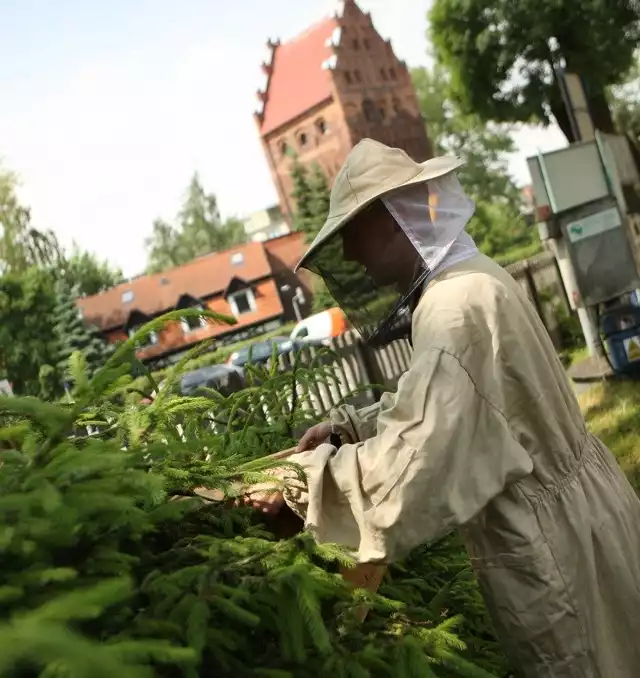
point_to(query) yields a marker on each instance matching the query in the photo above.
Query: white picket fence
(359, 373)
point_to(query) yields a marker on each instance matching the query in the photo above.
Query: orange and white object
(322, 326)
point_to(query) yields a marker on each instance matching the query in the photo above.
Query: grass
(612, 411)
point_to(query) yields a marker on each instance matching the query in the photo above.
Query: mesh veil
(432, 215)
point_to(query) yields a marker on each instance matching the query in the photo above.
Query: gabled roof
(154, 294)
(297, 80)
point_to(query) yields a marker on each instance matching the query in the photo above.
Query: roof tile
(298, 82)
(155, 294)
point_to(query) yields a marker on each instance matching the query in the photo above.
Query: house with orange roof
(253, 282)
(326, 89)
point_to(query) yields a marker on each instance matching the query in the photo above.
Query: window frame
(152, 338)
(251, 299)
(202, 322)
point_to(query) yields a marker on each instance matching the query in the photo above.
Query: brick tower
(327, 89)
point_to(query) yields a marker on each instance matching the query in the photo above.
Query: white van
(321, 327)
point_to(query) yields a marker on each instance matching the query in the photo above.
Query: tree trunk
(561, 116)
(598, 109)
(601, 113)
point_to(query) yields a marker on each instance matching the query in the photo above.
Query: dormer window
(151, 340)
(193, 323)
(127, 296)
(237, 259)
(242, 301)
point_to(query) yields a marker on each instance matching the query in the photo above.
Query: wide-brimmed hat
(370, 171)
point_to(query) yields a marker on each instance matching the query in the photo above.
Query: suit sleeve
(441, 453)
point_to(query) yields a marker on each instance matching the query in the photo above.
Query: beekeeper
(484, 433)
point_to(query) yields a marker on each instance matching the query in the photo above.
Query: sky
(108, 108)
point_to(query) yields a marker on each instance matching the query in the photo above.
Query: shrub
(106, 574)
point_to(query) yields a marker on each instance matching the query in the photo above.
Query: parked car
(226, 379)
(260, 352)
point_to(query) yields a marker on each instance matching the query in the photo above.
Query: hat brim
(431, 169)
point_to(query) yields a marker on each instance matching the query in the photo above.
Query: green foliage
(199, 230)
(22, 245)
(105, 573)
(40, 328)
(311, 194)
(625, 103)
(502, 56)
(26, 328)
(73, 336)
(497, 225)
(88, 274)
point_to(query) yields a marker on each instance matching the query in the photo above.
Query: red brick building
(253, 282)
(327, 89)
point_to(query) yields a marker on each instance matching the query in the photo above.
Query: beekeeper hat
(370, 171)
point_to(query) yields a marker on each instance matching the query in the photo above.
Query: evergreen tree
(304, 218)
(106, 574)
(72, 335)
(311, 195)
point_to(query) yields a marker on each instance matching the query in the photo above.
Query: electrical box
(580, 206)
(597, 244)
(568, 178)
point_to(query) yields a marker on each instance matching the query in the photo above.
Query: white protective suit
(485, 435)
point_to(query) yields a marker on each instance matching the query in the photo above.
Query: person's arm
(442, 452)
(359, 424)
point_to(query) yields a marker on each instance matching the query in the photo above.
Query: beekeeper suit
(484, 433)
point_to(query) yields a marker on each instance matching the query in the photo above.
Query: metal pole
(296, 309)
(586, 315)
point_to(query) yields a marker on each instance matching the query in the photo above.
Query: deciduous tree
(199, 229)
(497, 225)
(503, 56)
(22, 245)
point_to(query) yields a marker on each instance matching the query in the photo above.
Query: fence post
(533, 291)
(560, 285)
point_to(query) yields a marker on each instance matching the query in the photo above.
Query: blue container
(621, 330)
